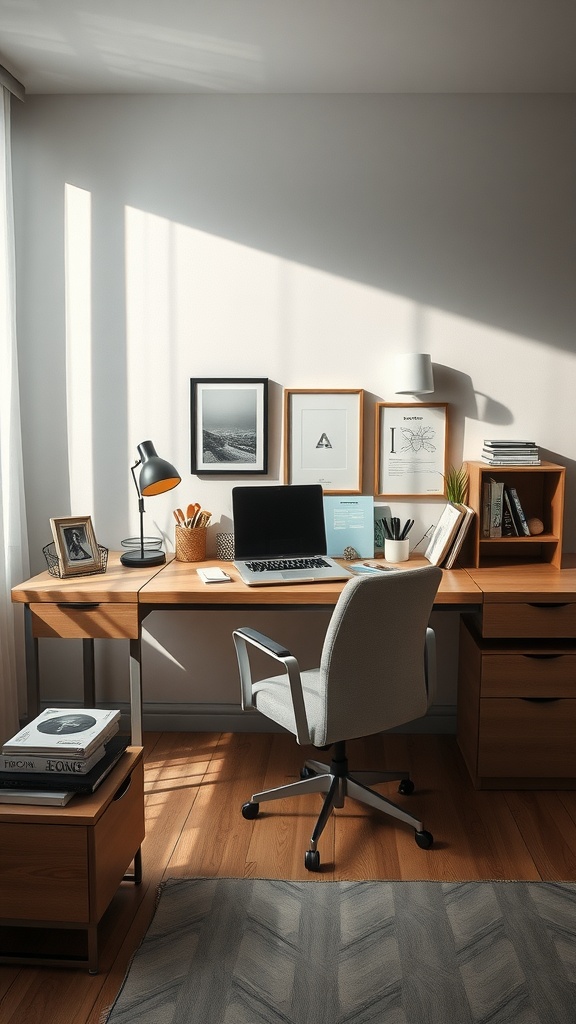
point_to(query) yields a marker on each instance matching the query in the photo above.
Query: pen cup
(190, 544)
(396, 550)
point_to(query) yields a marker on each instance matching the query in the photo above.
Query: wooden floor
(195, 785)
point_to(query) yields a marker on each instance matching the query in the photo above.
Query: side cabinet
(517, 698)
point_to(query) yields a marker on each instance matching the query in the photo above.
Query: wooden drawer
(528, 675)
(117, 620)
(518, 620)
(115, 839)
(43, 872)
(526, 738)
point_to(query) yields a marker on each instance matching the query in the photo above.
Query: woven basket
(190, 544)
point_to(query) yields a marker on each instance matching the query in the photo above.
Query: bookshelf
(541, 492)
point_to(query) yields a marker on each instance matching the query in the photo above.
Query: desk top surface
(178, 583)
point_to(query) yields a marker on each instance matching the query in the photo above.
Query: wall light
(413, 374)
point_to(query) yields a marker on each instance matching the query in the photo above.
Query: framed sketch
(410, 450)
(75, 545)
(229, 424)
(323, 439)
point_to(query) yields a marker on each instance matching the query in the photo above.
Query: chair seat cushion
(273, 699)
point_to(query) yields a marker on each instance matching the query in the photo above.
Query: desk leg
(136, 691)
(32, 667)
(89, 673)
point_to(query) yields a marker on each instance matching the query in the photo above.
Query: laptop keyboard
(281, 564)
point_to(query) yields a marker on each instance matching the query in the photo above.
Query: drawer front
(529, 620)
(43, 872)
(115, 839)
(119, 621)
(527, 739)
(529, 675)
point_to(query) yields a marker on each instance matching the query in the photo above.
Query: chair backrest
(372, 672)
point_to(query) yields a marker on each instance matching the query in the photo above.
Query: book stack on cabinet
(520, 514)
(61, 752)
(511, 453)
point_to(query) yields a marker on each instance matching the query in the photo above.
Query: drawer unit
(517, 711)
(85, 621)
(61, 866)
(517, 620)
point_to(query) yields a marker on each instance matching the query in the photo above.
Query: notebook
(280, 535)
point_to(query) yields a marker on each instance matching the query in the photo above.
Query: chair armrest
(430, 664)
(263, 642)
(245, 635)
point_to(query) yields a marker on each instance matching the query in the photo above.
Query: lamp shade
(414, 374)
(156, 475)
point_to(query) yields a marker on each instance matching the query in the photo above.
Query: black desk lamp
(156, 476)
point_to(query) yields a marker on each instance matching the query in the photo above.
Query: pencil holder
(396, 550)
(190, 544)
(225, 547)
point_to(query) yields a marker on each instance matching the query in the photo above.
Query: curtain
(14, 564)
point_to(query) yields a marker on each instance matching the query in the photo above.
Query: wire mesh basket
(54, 567)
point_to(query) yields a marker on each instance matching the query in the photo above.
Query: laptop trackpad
(298, 574)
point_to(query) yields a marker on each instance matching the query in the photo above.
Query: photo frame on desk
(229, 424)
(75, 544)
(323, 438)
(410, 449)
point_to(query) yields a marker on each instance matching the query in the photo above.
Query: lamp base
(135, 560)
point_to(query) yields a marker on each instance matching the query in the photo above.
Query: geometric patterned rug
(254, 951)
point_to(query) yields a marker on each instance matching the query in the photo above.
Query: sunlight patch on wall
(78, 303)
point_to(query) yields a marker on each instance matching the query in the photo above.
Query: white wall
(301, 238)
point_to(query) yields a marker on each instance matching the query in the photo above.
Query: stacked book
(511, 453)
(61, 752)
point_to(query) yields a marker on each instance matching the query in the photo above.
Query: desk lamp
(156, 476)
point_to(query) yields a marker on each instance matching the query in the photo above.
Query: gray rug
(243, 951)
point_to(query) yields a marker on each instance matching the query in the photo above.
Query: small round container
(190, 544)
(396, 550)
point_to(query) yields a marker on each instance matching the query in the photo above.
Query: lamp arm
(140, 506)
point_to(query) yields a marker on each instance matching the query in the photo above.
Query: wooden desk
(114, 604)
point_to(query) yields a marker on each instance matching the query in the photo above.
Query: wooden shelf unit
(541, 493)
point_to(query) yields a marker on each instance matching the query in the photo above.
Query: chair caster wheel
(250, 810)
(424, 839)
(312, 860)
(406, 787)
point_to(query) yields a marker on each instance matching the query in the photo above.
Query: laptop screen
(276, 521)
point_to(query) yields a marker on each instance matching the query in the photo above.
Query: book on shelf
(88, 783)
(58, 763)
(517, 512)
(444, 533)
(505, 442)
(461, 532)
(70, 731)
(509, 525)
(496, 503)
(36, 797)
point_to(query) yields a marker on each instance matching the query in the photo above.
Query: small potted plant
(456, 481)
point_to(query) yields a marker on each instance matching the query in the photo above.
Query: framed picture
(323, 439)
(410, 450)
(229, 424)
(75, 545)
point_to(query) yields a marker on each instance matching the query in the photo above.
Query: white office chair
(377, 671)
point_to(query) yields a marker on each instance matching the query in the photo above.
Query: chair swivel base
(337, 783)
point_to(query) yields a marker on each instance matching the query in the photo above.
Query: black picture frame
(229, 425)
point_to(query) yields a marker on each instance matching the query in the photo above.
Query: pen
(408, 526)
(387, 530)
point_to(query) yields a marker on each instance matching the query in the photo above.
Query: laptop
(280, 535)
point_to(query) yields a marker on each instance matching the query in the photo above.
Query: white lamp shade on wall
(413, 374)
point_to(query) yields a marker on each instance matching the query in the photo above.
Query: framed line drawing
(323, 435)
(410, 450)
(229, 424)
(75, 544)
